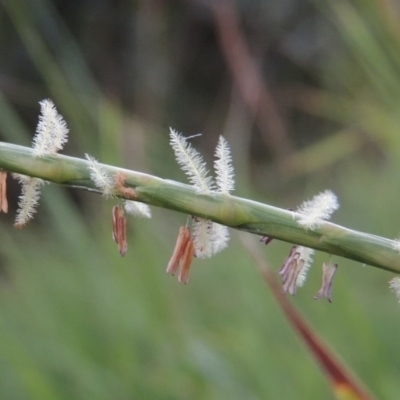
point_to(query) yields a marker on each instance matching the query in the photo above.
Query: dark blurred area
(306, 93)
(195, 65)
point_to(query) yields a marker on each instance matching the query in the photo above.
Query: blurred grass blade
(74, 108)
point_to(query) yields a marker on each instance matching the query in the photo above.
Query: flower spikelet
(100, 177)
(320, 208)
(193, 165)
(28, 199)
(394, 285)
(191, 162)
(225, 176)
(329, 270)
(51, 131)
(209, 238)
(137, 209)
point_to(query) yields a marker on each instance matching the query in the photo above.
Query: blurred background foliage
(308, 95)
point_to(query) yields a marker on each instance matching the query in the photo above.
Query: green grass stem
(232, 211)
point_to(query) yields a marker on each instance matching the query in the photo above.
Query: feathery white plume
(225, 182)
(51, 135)
(191, 162)
(209, 237)
(202, 240)
(394, 285)
(100, 177)
(225, 176)
(28, 199)
(137, 209)
(51, 131)
(305, 254)
(219, 237)
(320, 208)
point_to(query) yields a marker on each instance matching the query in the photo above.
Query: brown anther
(128, 193)
(290, 271)
(180, 246)
(119, 229)
(186, 261)
(182, 256)
(290, 284)
(328, 272)
(3, 192)
(284, 269)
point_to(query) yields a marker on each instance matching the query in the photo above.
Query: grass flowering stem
(231, 211)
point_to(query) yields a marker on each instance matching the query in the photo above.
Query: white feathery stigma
(51, 131)
(28, 199)
(137, 209)
(225, 182)
(209, 238)
(202, 238)
(51, 135)
(219, 237)
(306, 255)
(100, 177)
(191, 162)
(315, 211)
(394, 285)
(225, 176)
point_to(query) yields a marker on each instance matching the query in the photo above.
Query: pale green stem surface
(232, 211)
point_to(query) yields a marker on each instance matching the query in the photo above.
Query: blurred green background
(79, 322)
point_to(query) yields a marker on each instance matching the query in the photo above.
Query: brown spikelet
(180, 246)
(329, 270)
(186, 261)
(3, 192)
(119, 229)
